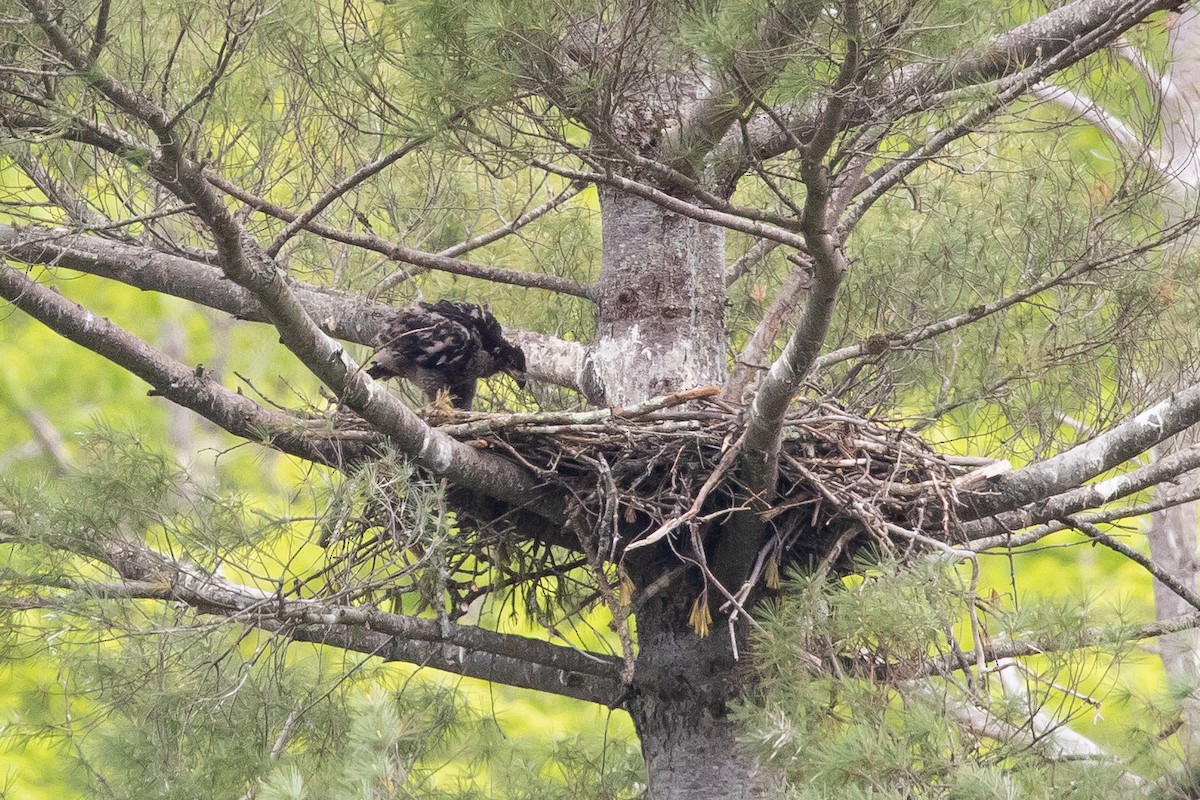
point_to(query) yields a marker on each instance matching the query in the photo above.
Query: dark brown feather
(446, 346)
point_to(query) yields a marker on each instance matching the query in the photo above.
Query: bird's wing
(474, 318)
(429, 339)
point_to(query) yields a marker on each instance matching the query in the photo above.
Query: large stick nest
(666, 470)
(656, 479)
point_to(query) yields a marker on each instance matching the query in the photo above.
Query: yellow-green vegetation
(346, 146)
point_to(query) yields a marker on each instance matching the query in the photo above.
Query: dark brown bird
(446, 347)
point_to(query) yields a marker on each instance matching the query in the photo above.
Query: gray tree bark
(660, 322)
(1172, 531)
(680, 707)
(661, 328)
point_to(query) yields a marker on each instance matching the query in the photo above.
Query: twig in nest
(718, 473)
(496, 422)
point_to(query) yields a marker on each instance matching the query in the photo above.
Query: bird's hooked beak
(517, 375)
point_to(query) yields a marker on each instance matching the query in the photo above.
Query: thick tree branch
(138, 154)
(757, 253)
(462, 661)
(1069, 29)
(759, 459)
(1103, 516)
(754, 70)
(1090, 496)
(508, 658)
(74, 129)
(244, 263)
(330, 362)
(346, 316)
(1060, 477)
(1038, 48)
(190, 388)
(551, 359)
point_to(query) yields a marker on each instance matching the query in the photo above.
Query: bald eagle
(446, 347)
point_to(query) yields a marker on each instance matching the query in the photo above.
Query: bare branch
(462, 650)
(881, 343)
(495, 422)
(494, 235)
(76, 208)
(734, 220)
(1035, 534)
(360, 175)
(1121, 134)
(406, 255)
(100, 34)
(484, 239)
(193, 389)
(132, 103)
(754, 70)
(753, 360)
(49, 438)
(759, 461)
(1092, 532)
(74, 129)
(1074, 30)
(1155, 83)
(1026, 54)
(1092, 637)
(137, 153)
(1059, 478)
(749, 260)
(345, 316)
(886, 177)
(1051, 736)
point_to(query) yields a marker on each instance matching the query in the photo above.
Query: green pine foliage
(843, 708)
(105, 697)
(148, 699)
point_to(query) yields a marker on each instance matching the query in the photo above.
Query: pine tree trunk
(660, 325)
(661, 328)
(680, 707)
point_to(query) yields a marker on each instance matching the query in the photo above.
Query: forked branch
(243, 262)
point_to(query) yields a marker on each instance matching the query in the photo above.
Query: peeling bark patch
(661, 300)
(1109, 488)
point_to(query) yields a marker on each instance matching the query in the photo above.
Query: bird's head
(510, 360)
